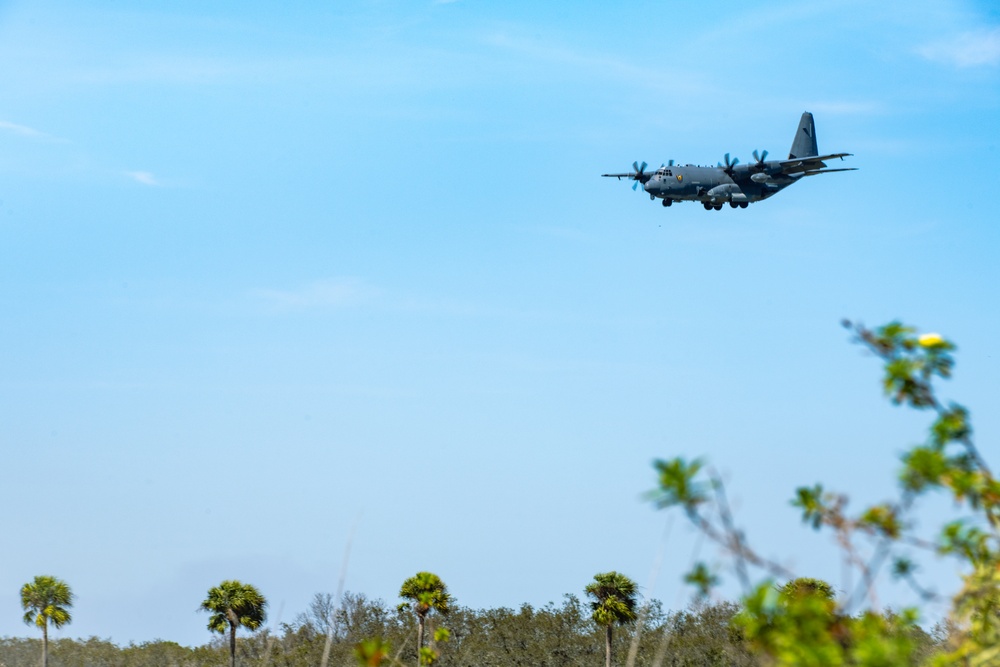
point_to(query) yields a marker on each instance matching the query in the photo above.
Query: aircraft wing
(619, 176)
(813, 163)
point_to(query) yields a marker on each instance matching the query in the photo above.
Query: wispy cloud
(978, 48)
(329, 293)
(25, 131)
(144, 177)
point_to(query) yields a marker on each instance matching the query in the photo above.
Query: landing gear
(744, 204)
(668, 202)
(734, 204)
(708, 207)
(718, 207)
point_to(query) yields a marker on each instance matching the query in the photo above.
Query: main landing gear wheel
(668, 202)
(744, 204)
(708, 207)
(718, 207)
(734, 204)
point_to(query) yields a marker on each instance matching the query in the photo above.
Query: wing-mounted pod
(727, 192)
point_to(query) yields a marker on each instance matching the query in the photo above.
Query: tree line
(562, 634)
(426, 628)
(359, 630)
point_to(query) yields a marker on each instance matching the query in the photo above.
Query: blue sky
(277, 282)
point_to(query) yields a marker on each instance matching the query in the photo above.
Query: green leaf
(702, 578)
(810, 501)
(677, 484)
(371, 652)
(884, 519)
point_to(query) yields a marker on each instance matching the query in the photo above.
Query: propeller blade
(670, 163)
(727, 160)
(636, 166)
(635, 185)
(642, 168)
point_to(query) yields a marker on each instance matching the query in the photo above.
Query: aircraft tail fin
(804, 144)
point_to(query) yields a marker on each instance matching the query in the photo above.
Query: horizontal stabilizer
(827, 171)
(814, 163)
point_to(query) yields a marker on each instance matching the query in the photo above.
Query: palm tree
(426, 592)
(46, 600)
(614, 603)
(233, 605)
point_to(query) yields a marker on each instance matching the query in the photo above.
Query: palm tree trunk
(45, 645)
(232, 645)
(420, 636)
(607, 648)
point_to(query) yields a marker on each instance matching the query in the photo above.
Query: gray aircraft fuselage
(736, 184)
(712, 184)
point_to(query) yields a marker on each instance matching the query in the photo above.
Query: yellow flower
(930, 340)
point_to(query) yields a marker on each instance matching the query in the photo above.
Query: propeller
(729, 165)
(639, 174)
(670, 163)
(760, 159)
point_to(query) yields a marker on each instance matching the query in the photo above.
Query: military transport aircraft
(736, 184)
